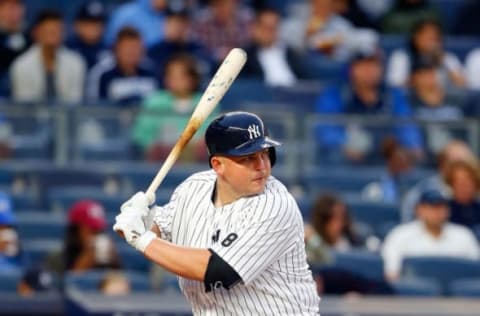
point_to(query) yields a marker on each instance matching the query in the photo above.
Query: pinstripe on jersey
(261, 237)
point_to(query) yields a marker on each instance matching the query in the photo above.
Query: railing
(59, 132)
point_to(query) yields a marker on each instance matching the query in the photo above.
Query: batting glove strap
(144, 240)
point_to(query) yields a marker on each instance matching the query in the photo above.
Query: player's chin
(258, 185)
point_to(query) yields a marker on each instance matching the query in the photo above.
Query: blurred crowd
(156, 55)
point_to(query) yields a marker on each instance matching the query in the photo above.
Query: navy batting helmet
(238, 134)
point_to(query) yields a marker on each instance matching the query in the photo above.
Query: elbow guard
(219, 274)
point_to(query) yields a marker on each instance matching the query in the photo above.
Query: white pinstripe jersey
(260, 237)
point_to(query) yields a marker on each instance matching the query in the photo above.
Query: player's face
(247, 175)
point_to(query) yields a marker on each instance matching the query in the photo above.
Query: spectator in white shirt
(269, 59)
(472, 69)
(318, 28)
(425, 42)
(430, 235)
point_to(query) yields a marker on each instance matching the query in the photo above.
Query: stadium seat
(364, 263)
(90, 280)
(244, 91)
(61, 199)
(445, 270)
(390, 43)
(449, 10)
(36, 251)
(9, 279)
(465, 287)
(416, 287)
(300, 97)
(378, 215)
(318, 179)
(130, 259)
(34, 226)
(461, 46)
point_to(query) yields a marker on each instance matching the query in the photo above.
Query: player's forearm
(186, 262)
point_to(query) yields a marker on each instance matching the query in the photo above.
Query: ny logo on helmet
(254, 131)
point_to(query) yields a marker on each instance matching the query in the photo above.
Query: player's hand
(132, 226)
(138, 203)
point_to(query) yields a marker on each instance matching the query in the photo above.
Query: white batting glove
(137, 203)
(135, 220)
(134, 230)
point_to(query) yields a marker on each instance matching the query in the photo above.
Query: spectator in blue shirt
(146, 16)
(177, 42)
(365, 94)
(127, 77)
(9, 244)
(87, 39)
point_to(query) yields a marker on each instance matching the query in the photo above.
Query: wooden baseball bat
(216, 89)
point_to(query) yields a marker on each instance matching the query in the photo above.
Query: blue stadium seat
(9, 279)
(34, 226)
(25, 199)
(323, 69)
(140, 176)
(416, 287)
(300, 97)
(305, 205)
(363, 263)
(61, 199)
(461, 46)
(465, 288)
(90, 280)
(337, 179)
(390, 43)
(36, 251)
(108, 150)
(377, 215)
(131, 259)
(445, 270)
(244, 91)
(448, 9)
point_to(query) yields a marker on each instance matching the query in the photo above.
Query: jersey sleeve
(164, 215)
(252, 249)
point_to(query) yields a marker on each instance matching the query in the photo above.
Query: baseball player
(234, 234)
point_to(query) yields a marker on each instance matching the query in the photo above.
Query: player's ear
(217, 164)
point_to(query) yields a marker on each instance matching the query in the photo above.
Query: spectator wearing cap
(431, 102)
(363, 94)
(87, 38)
(221, 26)
(86, 246)
(177, 41)
(455, 150)
(48, 72)
(463, 178)
(425, 42)
(270, 59)
(146, 16)
(10, 256)
(14, 39)
(126, 78)
(430, 235)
